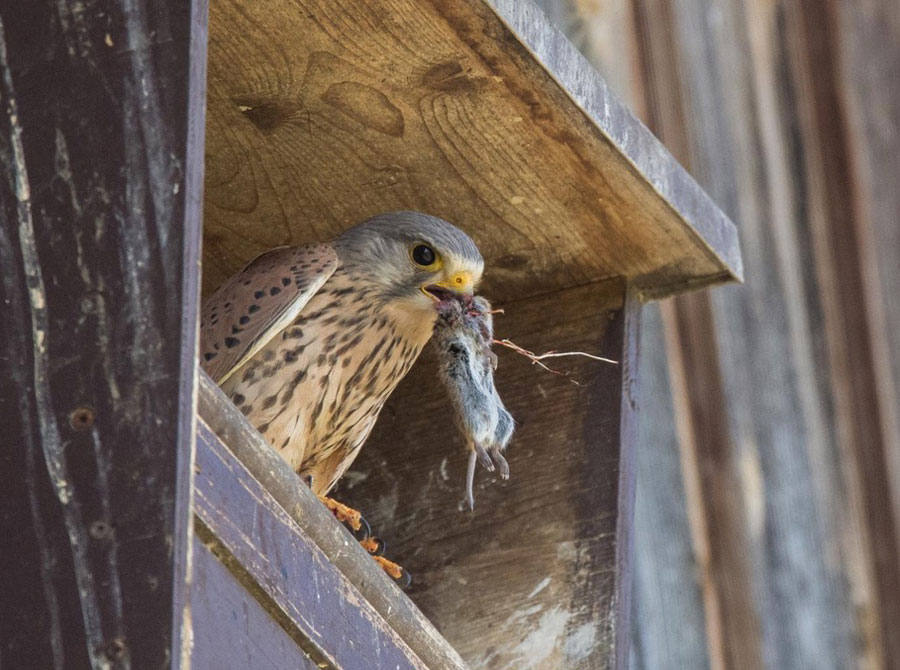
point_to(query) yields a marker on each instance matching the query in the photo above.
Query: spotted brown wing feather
(259, 302)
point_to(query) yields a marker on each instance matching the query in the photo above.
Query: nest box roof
(321, 114)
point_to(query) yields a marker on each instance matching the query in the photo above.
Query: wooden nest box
(319, 115)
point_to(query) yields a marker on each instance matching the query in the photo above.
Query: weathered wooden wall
(101, 163)
(783, 393)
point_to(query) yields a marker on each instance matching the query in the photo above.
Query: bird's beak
(460, 283)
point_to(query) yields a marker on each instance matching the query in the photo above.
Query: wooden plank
(230, 628)
(336, 625)
(865, 419)
(581, 82)
(714, 503)
(669, 626)
(867, 47)
(735, 90)
(536, 576)
(731, 99)
(476, 111)
(101, 173)
(327, 540)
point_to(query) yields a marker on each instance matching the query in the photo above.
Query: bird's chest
(316, 389)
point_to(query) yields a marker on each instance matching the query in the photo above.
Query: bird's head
(414, 261)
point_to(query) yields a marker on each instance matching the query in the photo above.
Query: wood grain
(230, 628)
(787, 113)
(864, 417)
(536, 576)
(443, 107)
(748, 102)
(99, 210)
(669, 624)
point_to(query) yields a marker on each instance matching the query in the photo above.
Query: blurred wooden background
(768, 494)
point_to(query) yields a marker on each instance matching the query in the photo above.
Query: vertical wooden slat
(810, 544)
(868, 55)
(668, 626)
(102, 167)
(769, 481)
(627, 395)
(712, 490)
(787, 113)
(713, 493)
(843, 260)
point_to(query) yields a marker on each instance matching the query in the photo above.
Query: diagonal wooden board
(323, 113)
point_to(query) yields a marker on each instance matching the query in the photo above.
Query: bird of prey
(310, 341)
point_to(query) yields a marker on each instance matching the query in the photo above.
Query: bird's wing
(258, 302)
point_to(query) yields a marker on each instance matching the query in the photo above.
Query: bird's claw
(364, 532)
(374, 545)
(400, 576)
(352, 519)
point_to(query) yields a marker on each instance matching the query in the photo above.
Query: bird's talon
(404, 581)
(374, 545)
(364, 532)
(350, 517)
(400, 576)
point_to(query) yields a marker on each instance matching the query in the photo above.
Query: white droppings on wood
(541, 585)
(580, 644)
(542, 641)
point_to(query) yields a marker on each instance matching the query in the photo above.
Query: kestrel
(309, 341)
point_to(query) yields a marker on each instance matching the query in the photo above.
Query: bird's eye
(423, 255)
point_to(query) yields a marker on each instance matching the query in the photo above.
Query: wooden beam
(230, 627)
(669, 626)
(102, 145)
(233, 454)
(538, 576)
(479, 112)
(279, 563)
